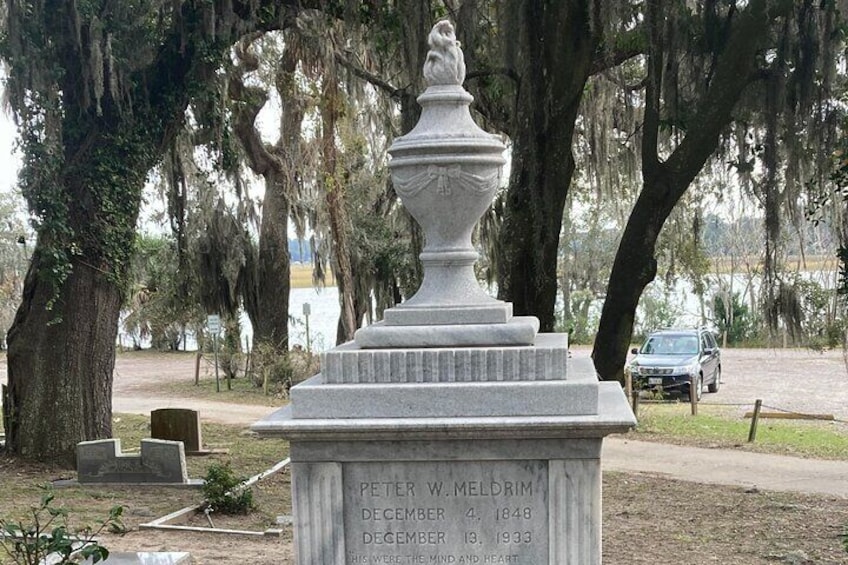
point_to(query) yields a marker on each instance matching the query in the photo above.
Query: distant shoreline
(301, 276)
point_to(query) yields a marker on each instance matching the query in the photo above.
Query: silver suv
(670, 358)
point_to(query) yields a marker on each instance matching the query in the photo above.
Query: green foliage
(823, 326)
(158, 299)
(49, 534)
(230, 358)
(581, 322)
(673, 423)
(732, 318)
(220, 489)
(658, 309)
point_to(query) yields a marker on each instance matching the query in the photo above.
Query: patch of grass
(243, 391)
(720, 427)
(247, 455)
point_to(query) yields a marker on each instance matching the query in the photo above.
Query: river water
(323, 317)
(324, 309)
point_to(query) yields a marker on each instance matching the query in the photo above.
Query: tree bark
(335, 197)
(553, 53)
(269, 307)
(665, 182)
(61, 363)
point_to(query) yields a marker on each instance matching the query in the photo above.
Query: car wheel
(714, 386)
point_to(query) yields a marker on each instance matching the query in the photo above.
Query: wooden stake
(693, 394)
(752, 435)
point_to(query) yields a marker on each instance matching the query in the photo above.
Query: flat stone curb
(148, 558)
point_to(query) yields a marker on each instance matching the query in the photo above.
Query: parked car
(670, 358)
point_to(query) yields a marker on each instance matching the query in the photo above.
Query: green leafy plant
(49, 534)
(223, 491)
(733, 318)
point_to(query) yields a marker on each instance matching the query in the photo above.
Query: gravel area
(797, 380)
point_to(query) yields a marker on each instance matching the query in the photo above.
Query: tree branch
(653, 85)
(368, 77)
(625, 46)
(505, 71)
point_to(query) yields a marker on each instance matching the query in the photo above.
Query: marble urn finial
(445, 62)
(446, 172)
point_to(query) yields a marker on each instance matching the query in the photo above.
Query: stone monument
(450, 432)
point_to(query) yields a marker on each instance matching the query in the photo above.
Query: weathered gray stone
(160, 461)
(520, 330)
(544, 360)
(446, 511)
(318, 513)
(446, 171)
(613, 416)
(314, 399)
(177, 424)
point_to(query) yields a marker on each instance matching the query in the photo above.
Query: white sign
(213, 323)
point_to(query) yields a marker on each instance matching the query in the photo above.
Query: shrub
(280, 370)
(221, 492)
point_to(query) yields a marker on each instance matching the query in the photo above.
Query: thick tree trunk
(60, 364)
(272, 319)
(553, 56)
(85, 168)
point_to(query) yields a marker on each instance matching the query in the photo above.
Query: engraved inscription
(446, 512)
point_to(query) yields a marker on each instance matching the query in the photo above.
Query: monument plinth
(451, 432)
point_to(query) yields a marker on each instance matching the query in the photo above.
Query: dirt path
(730, 467)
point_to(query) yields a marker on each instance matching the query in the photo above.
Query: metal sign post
(307, 309)
(213, 325)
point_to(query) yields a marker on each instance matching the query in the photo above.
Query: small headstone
(101, 461)
(177, 424)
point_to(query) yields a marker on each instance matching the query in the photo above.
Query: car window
(670, 345)
(688, 345)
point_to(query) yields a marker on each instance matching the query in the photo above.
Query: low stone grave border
(164, 523)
